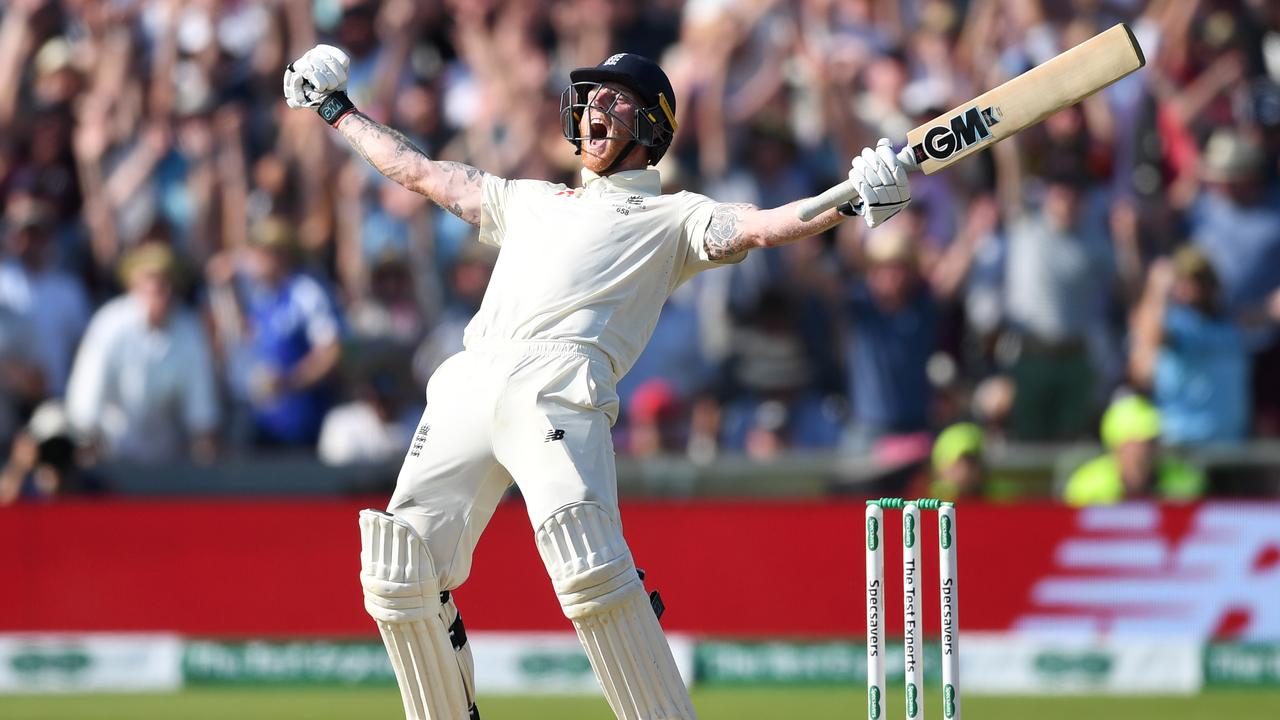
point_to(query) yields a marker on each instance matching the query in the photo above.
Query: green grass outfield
(816, 703)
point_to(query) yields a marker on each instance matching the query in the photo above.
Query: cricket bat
(1017, 104)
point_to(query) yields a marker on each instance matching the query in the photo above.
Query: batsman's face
(607, 126)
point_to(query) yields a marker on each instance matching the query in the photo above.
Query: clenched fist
(320, 71)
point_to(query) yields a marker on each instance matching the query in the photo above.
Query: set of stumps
(913, 627)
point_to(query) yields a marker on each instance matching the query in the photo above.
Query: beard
(602, 141)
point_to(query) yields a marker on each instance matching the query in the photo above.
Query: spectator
(958, 467)
(1236, 221)
(53, 303)
(372, 428)
(894, 312)
(142, 387)
(21, 382)
(774, 400)
(1190, 352)
(287, 361)
(467, 282)
(894, 332)
(1133, 467)
(43, 462)
(390, 313)
(655, 424)
(1058, 271)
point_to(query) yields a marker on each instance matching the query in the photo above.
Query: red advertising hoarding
(744, 569)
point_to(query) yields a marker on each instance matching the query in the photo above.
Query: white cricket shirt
(591, 265)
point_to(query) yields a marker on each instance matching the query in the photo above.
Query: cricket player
(580, 278)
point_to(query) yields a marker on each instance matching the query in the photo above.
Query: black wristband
(335, 106)
(846, 209)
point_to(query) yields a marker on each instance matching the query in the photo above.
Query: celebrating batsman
(580, 279)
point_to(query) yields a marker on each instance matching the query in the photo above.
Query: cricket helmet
(653, 125)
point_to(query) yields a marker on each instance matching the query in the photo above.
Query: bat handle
(846, 191)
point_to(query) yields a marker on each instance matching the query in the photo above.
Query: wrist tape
(335, 106)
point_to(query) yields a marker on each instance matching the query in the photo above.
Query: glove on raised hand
(319, 75)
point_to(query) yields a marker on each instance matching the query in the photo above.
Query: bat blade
(1015, 105)
(1025, 100)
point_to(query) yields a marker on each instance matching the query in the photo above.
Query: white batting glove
(320, 71)
(882, 183)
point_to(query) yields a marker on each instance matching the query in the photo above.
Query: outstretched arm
(739, 226)
(318, 80)
(454, 186)
(879, 190)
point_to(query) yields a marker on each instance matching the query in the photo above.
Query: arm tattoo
(724, 237)
(449, 184)
(471, 172)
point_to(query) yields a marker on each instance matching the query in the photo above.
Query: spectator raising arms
(1190, 352)
(895, 315)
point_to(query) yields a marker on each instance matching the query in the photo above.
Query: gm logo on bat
(970, 127)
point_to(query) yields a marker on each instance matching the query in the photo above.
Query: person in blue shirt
(893, 334)
(1235, 219)
(291, 349)
(1191, 353)
(894, 313)
(1190, 350)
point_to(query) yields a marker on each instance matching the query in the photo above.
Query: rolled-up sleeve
(495, 196)
(697, 221)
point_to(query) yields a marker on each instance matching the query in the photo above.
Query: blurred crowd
(192, 270)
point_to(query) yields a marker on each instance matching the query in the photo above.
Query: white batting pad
(599, 590)
(403, 596)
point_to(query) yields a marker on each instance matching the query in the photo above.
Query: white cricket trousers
(538, 413)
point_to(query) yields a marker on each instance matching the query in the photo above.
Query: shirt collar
(646, 182)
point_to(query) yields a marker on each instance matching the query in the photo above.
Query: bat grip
(811, 208)
(846, 191)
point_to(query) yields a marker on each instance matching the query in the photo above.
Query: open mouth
(597, 135)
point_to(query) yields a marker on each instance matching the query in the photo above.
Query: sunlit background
(216, 323)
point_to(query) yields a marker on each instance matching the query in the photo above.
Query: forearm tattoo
(724, 236)
(448, 184)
